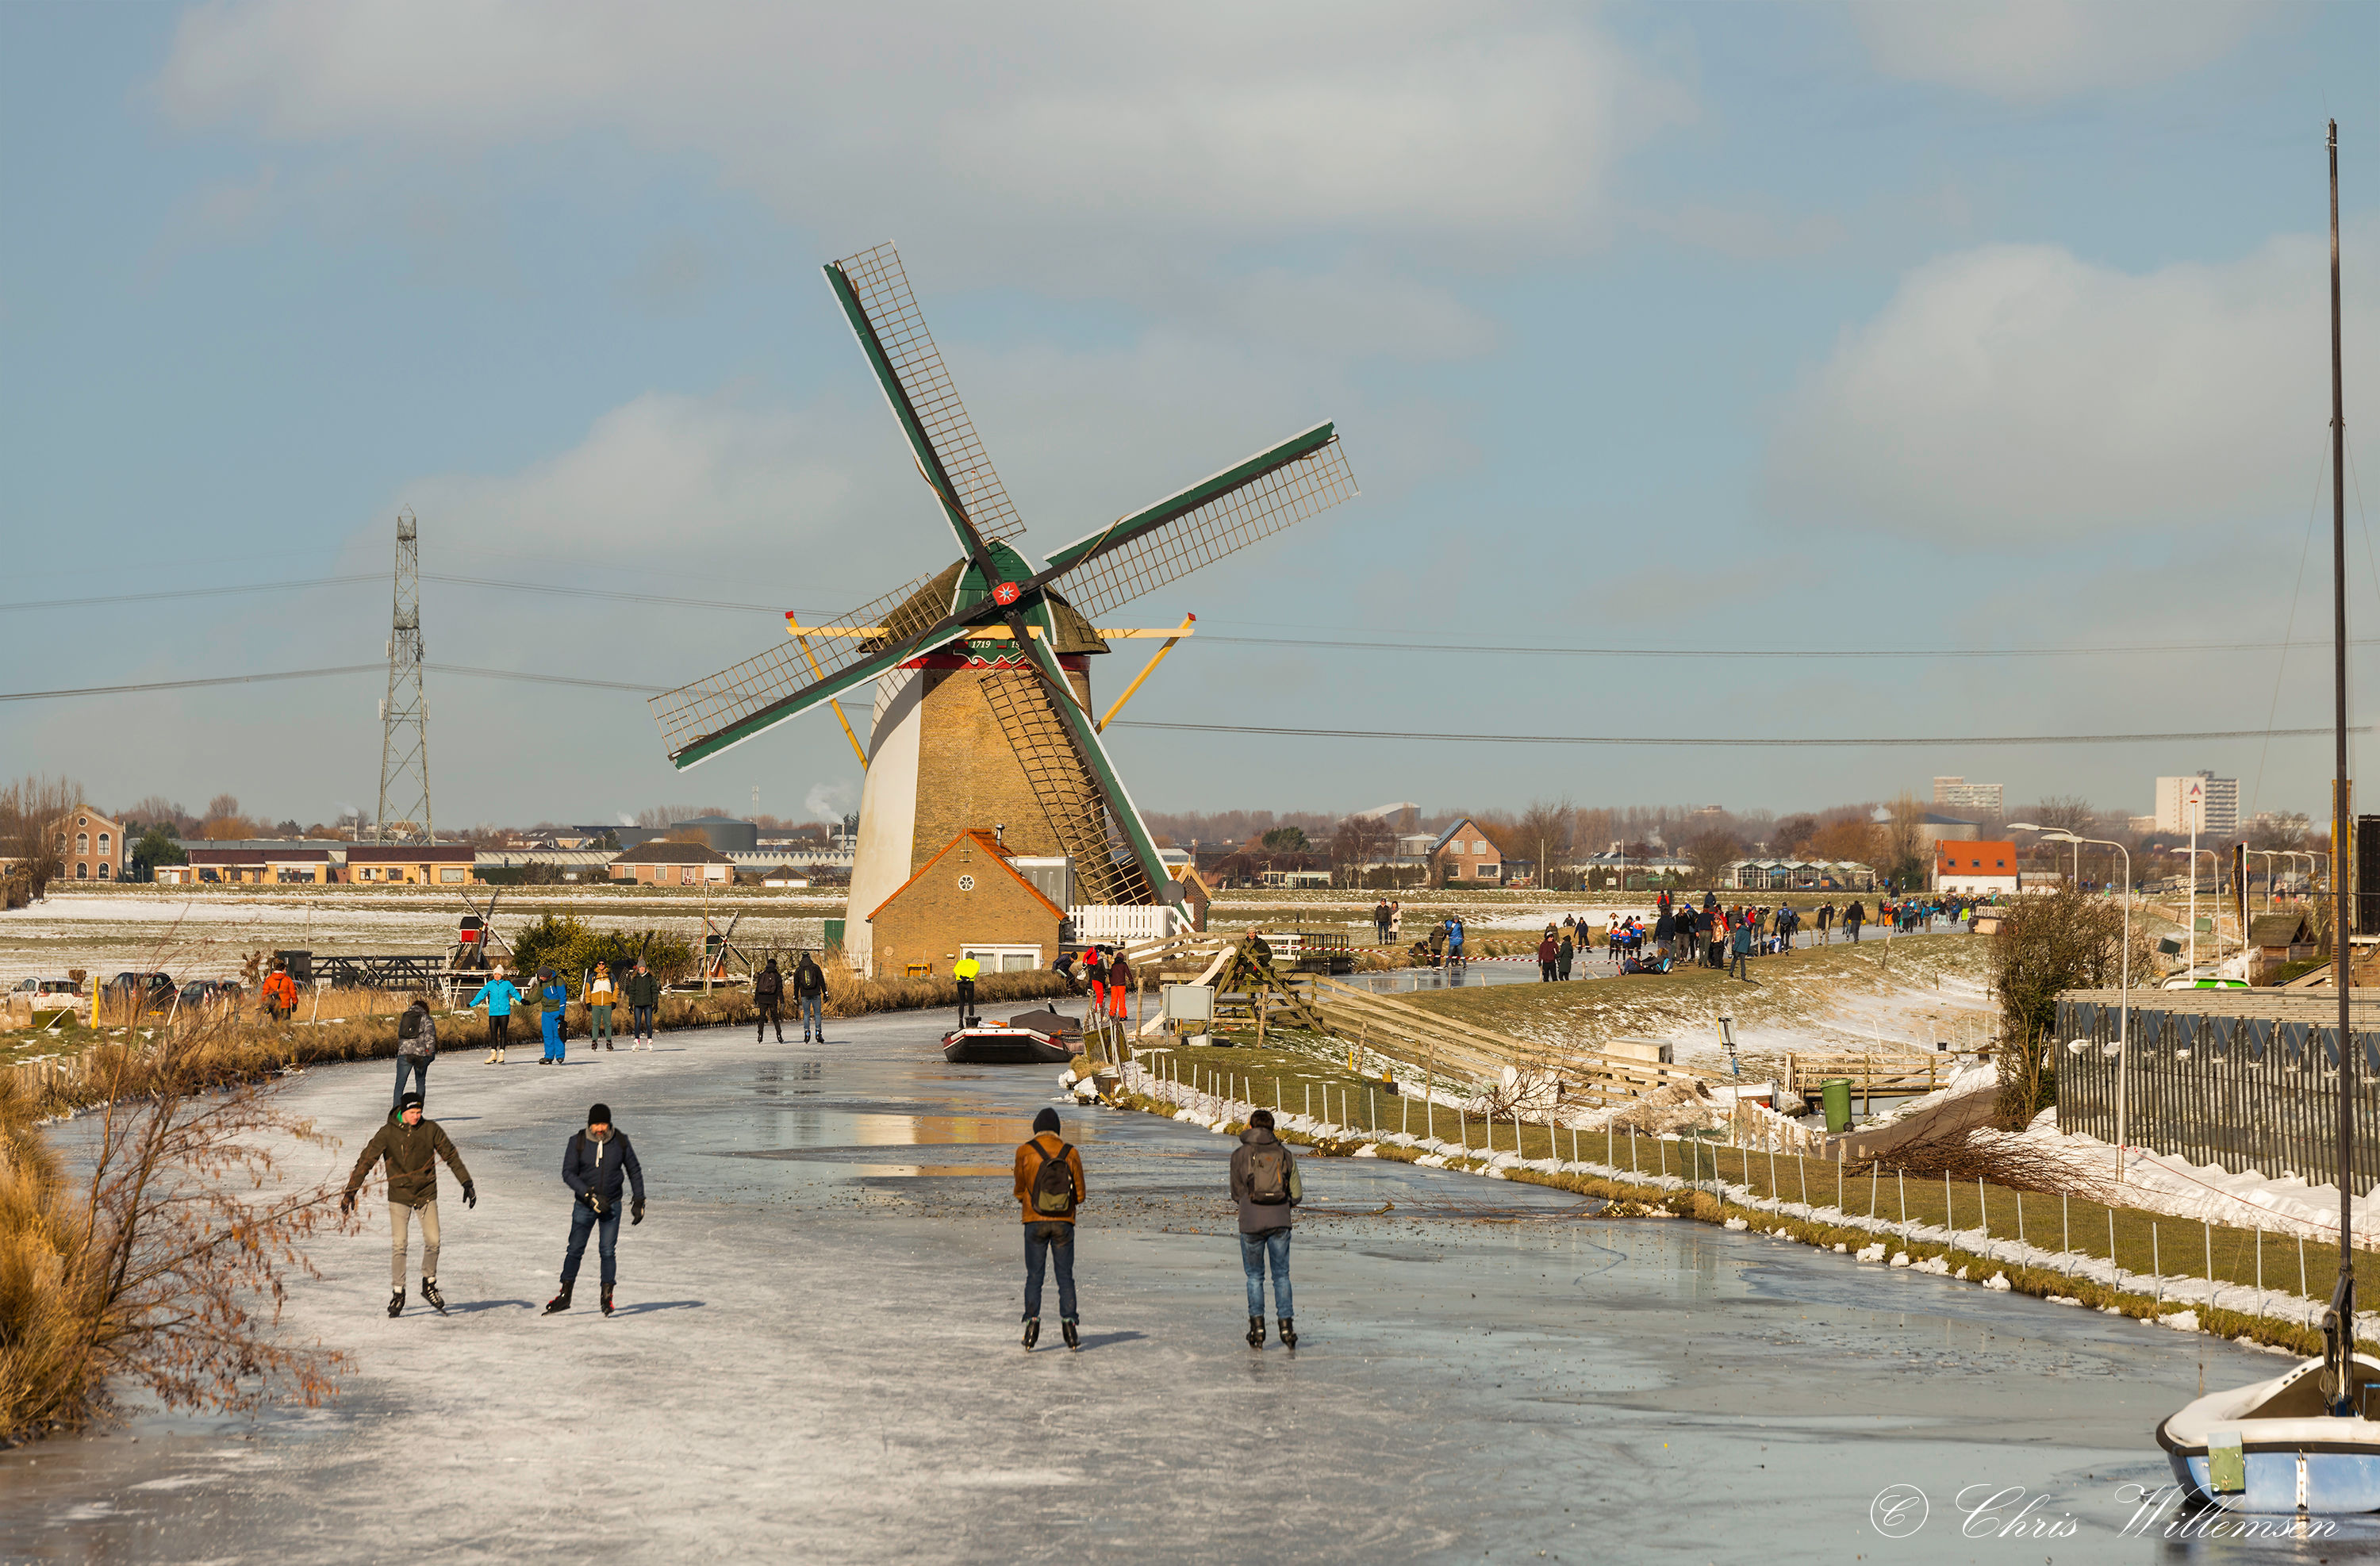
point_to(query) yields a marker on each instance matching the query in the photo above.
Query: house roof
(659, 853)
(1464, 826)
(2278, 930)
(1999, 857)
(411, 854)
(991, 846)
(272, 854)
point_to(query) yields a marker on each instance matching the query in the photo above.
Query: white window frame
(452, 874)
(994, 956)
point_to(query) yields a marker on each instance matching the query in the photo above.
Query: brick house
(90, 846)
(1463, 853)
(968, 899)
(253, 862)
(412, 864)
(673, 864)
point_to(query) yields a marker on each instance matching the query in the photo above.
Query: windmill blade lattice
(791, 677)
(1206, 522)
(875, 276)
(1064, 785)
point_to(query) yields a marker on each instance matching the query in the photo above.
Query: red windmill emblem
(1006, 594)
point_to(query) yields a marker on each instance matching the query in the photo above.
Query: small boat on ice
(1035, 1039)
(2276, 1446)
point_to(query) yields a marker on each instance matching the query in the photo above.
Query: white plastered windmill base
(881, 862)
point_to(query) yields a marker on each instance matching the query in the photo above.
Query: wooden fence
(2246, 1079)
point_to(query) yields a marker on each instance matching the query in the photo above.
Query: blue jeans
(1055, 1241)
(582, 1219)
(1254, 1249)
(420, 1066)
(811, 1021)
(642, 1021)
(552, 1024)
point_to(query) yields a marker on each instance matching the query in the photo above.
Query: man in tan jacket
(1049, 1187)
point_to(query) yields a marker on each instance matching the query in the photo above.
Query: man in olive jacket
(643, 989)
(412, 1146)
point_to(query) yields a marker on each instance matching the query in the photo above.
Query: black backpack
(1053, 1184)
(410, 1024)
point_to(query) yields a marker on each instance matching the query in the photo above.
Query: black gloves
(635, 1212)
(347, 1203)
(596, 1202)
(470, 1195)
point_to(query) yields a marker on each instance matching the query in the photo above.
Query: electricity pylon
(404, 713)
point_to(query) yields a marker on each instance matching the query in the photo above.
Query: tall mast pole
(2342, 830)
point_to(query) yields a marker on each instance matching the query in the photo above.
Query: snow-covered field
(815, 1358)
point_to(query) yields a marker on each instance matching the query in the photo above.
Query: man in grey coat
(1266, 1186)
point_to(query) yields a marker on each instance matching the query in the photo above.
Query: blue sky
(1850, 326)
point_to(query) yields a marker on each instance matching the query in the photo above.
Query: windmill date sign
(983, 706)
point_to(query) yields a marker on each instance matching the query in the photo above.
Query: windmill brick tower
(983, 713)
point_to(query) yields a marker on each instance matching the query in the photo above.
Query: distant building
(412, 864)
(1463, 853)
(1942, 828)
(673, 864)
(256, 860)
(1403, 816)
(1959, 793)
(90, 846)
(2213, 801)
(1978, 869)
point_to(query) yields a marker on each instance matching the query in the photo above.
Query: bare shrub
(2045, 944)
(165, 1262)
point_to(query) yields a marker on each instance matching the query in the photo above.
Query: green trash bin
(1835, 1093)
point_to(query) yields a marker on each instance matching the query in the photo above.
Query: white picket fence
(1115, 924)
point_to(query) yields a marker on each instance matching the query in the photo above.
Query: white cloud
(2035, 51)
(1031, 128)
(2017, 393)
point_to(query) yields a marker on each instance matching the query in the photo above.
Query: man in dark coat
(809, 998)
(643, 989)
(595, 1164)
(768, 995)
(412, 1146)
(1265, 1184)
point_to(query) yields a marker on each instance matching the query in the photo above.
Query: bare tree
(33, 825)
(1711, 852)
(2065, 812)
(1544, 831)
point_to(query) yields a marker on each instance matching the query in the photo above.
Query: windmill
(983, 713)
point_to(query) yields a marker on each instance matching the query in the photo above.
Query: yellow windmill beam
(792, 628)
(983, 632)
(1184, 630)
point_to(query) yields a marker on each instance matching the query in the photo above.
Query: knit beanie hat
(1046, 1121)
(410, 1101)
(598, 1114)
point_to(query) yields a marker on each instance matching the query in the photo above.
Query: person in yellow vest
(601, 996)
(965, 970)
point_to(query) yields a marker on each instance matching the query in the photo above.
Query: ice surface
(816, 1358)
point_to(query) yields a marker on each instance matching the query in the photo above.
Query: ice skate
(1256, 1331)
(1288, 1332)
(397, 1302)
(559, 1302)
(1073, 1339)
(607, 1301)
(436, 1301)
(1032, 1330)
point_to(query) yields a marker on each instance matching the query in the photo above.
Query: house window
(1489, 872)
(82, 843)
(103, 869)
(83, 872)
(104, 841)
(452, 875)
(686, 875)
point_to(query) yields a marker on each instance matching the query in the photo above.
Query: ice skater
(594, 1163)
(809, 996)
(1050, 1186)
(769, 996)
(601, 996)
(962, 973)
(499, 995)
(644, 991)
(555, 997)
(417, 1046)
(412, 1144)
(1266, 1186)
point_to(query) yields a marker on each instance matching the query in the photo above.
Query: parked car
(40, 1000)
(221, 991)
(41, 987)
(157, 989)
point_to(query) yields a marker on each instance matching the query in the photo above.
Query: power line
(1737, 742)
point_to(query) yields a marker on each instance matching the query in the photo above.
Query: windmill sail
(1138, 553)
(697, 721)
(874, 294)
(1066, 786)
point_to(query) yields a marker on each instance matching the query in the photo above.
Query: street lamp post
(2123, 980)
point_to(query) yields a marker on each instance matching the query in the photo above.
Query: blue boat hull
(2337, 1483)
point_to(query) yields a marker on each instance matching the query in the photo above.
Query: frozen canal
(816, 1358)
